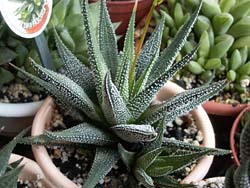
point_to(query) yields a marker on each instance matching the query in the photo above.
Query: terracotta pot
(59, 180)
(14, 117)
(202, 183)
(232, 135)
(31, 170)
(221, 109)
(120, 11)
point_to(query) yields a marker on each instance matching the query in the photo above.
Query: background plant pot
(232, 135)
(59, 180)
(221, 109)
(14, 117)
(31, 170)
(120, 11)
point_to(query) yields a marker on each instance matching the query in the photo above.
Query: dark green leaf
(105, 159)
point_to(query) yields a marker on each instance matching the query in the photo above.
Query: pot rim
(232, 134)
(222, 109)
(58, 179)
(19, 109)
(31, 170)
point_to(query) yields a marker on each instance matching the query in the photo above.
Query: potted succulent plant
(242, 121)
(222, 32)
(113, 101)
(237, 175)
(14, 167)
(18, 104)
(120, 11)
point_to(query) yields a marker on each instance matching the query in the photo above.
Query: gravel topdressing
(18, 93)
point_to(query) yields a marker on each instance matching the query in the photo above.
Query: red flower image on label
(39, 25)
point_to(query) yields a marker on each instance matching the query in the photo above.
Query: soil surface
(75, 163)
(19, 93)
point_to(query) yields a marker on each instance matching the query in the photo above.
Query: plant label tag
(26, 18)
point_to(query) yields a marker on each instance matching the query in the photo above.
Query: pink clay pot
(58, 179)
(220, 109)
(120, 11)
(233, 131)
(31, 171)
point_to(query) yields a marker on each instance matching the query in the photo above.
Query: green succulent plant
(115, 109)
(239, 177)
(223, 32)
(9, 172)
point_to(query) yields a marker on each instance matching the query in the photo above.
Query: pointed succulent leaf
(9, 180)
(150, 50)
(245, 142)
(229, 182)
(105, 159)
(60, 98)
(170, 182)
(74, 69)
(113, 106)
(127, 157)
(140, 102)
(178, 162)
(72, 92)
(147, 159)
(158, 141)
(107, 40)
(183, 102)
(97, 62)
(6, 151)
(147, 58)
(176, 144)
(143, 178)
(157, 171)
(122, 77)
(241, 175)
(15, 164)
(135, 133)
(170, 53)
(81, 134)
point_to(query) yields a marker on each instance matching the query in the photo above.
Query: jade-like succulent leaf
(74, 69)
(143, 178)
(229, 181)
(135, 133)
(245, 142)
(9, 180)
(140, 102)
(113, 106)
(97, 62)
(127, 56)
(81, 134)
(6, 151)
(241, 175)
(105, 159)
(183, 102)
(107, 40)
(127, 157)
(170, 53)
(72, 92)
